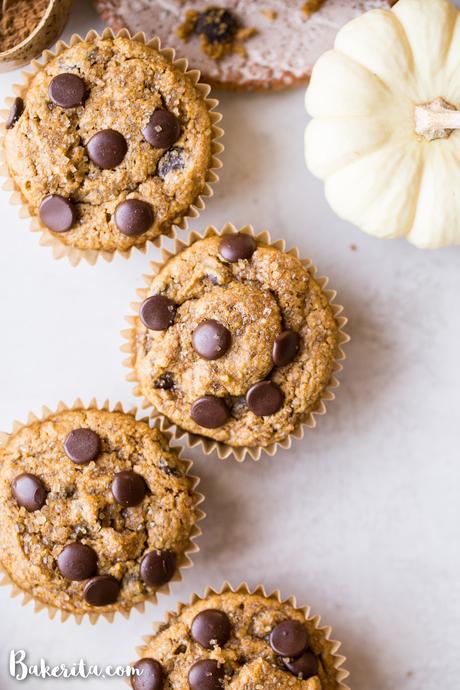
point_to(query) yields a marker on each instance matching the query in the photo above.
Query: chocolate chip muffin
(110, 144)
(97, 511)
(235, 340)
(239, 641)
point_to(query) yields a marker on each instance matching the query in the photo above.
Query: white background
(361, 519)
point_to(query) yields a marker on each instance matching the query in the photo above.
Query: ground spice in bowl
(19, 21)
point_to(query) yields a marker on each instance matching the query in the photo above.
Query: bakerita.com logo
(21, 668)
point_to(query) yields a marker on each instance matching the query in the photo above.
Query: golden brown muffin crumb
(267, 297)
(244, 653)
(81, 506)
(52, 150)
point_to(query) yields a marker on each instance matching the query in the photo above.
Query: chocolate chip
(158, 313)
(304, 667)
(210, 628)
(67, 90)
(77, 561)
(101, 590)
(29, 491)
(206, 675)
(172, 160)
(151, 678)
(15, 113)
(264, 398)
(289, 639)
(129, 488)
(211, 339)
(235, 247)
(210, 412)
(285, 348)
(218, 25)
(134, 217)
(57, 213)
(158, 567)
(162, 130)
(169, 470)
(82, 446)
(165, 381)
(107, 148)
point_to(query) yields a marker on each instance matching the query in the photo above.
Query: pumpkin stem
(436, 120)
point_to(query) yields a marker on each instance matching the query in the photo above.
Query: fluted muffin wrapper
(332, 662)
(184, 563)
(49, 239)
(208, 445)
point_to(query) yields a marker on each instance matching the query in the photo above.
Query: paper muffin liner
(47, 238)
(184, 563)
(331, 660)
(208, 445)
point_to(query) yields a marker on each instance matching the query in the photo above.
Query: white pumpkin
(384, 135)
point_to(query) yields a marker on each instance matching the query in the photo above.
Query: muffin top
(96, 510)
(111, 146)
(240, 641)
(236, 341)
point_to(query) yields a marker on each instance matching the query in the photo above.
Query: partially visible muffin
(112, 146)
(97, 511)
(236, 341)
(238, 641)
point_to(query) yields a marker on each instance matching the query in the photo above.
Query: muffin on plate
(240, 640)
(97, 511)
(110, 143)
(235, 340)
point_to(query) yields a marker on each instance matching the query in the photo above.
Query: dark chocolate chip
(151, 677)
(206, 675)
(67, 90)
(101, 590)
(169, 470)
(165, 381)
(210, 628)
(15, 113)
(29, 491)
(129, 488)
(158, 312)
(162, 130)
(304, 667)
(285, 348)
(77, 561)
(264, 398)
(211, 339)
(210, 412)
(235, 247)
(82, 446)
(172, 161)
(289, 639)
(217, 24)
(134, 217)
(107, 148)
(158, 567)
(57, 213)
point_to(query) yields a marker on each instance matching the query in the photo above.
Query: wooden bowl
(44, 34)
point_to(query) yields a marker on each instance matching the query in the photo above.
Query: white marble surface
(360, 519)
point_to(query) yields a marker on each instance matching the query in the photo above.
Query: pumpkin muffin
(236, 341)
(110, 145)
(97, 512)
(238, 641)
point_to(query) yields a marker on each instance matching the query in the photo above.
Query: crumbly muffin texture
(247, 657)
(126, 82)
(256, 299)
(80, 506)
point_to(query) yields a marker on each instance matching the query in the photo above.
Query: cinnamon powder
(19, 21)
